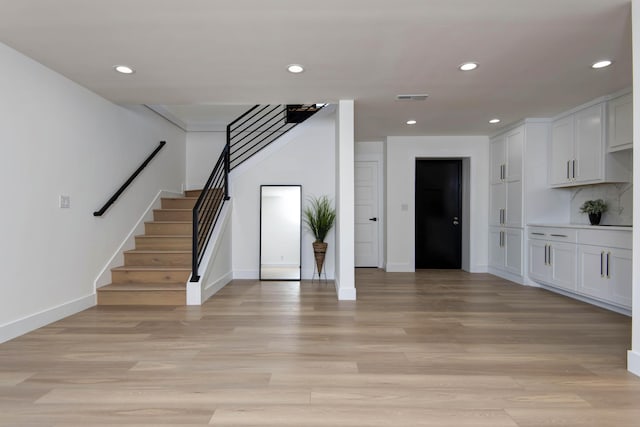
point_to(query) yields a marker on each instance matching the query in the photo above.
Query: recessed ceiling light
(602, 64)
(468, 66)
(411, 122)
(124, 69)
(494, 121)
(295, 68)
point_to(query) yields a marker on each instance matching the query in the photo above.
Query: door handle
(568, 161)
(545, 255)
(608, 255)
(549, 254)
(574, 169)
(373, 219)
(602, 264)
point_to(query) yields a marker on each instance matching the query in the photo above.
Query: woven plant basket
(319, 251)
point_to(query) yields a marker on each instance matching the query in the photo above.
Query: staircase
(157, 270)
(170, 251)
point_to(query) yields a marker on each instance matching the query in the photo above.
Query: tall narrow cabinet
(518, 194)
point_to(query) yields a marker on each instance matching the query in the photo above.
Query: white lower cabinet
(505, 249)
(605, 273)
(594, 263)
(552, 262)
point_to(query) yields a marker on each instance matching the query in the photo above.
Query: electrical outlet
(65, 202)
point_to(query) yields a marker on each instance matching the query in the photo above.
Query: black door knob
(373, 219)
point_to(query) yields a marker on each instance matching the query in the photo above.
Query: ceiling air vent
(419, 97)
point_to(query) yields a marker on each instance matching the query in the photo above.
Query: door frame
(382, 222)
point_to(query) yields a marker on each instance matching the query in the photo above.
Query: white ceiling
(534, 55)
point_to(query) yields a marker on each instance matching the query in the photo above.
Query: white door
(366, 214)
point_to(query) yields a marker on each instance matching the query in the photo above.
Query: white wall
(304, 156)
(203, 150)
(61, 139)
(401, 155)
(634, 354)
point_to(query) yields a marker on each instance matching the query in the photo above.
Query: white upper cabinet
(506, 156)
(578, 154)
(562, 149)
(587, 162)
(620, 115)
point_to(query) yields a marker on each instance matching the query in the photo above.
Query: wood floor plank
(434, 348)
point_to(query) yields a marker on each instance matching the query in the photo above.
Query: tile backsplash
(619, 199)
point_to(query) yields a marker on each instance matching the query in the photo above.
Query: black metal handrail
(207, 210)
(262, 125)
(246, 136)
(129, 181)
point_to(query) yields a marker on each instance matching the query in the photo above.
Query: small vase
(594, 218)
(319, 250)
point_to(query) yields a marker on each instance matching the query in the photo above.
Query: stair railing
(246, 136)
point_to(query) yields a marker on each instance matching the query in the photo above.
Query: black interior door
(439, 213)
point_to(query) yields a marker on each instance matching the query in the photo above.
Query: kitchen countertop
(586, 226)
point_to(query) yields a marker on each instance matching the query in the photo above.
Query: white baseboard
(30, 323)
(246, 274)
(345, 294)
(506, 275)
(399, 268)
(214, 287)
(479, 269)
(633, 362)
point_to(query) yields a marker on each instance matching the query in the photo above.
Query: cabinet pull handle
(608, 255)
(602, 264)
(504, 171)
(537, 234)
(574, 169)
(568, 161)
(549, 254)
(559, 235)
(545, 255)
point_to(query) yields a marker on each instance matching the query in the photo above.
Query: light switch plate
(65, 202)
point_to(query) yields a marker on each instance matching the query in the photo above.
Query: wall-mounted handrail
(129, 181)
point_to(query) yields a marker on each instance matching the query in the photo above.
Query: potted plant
(319, 217)
(594, 208)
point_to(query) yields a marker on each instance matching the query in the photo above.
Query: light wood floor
(428, 349)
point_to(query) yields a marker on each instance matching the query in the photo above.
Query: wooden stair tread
(168, 222)
(142, 287)
(149, 268)
(173, 209)
(155, 236)
(157, 251)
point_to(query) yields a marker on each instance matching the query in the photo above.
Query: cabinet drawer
(609, 238)
(555, 234)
